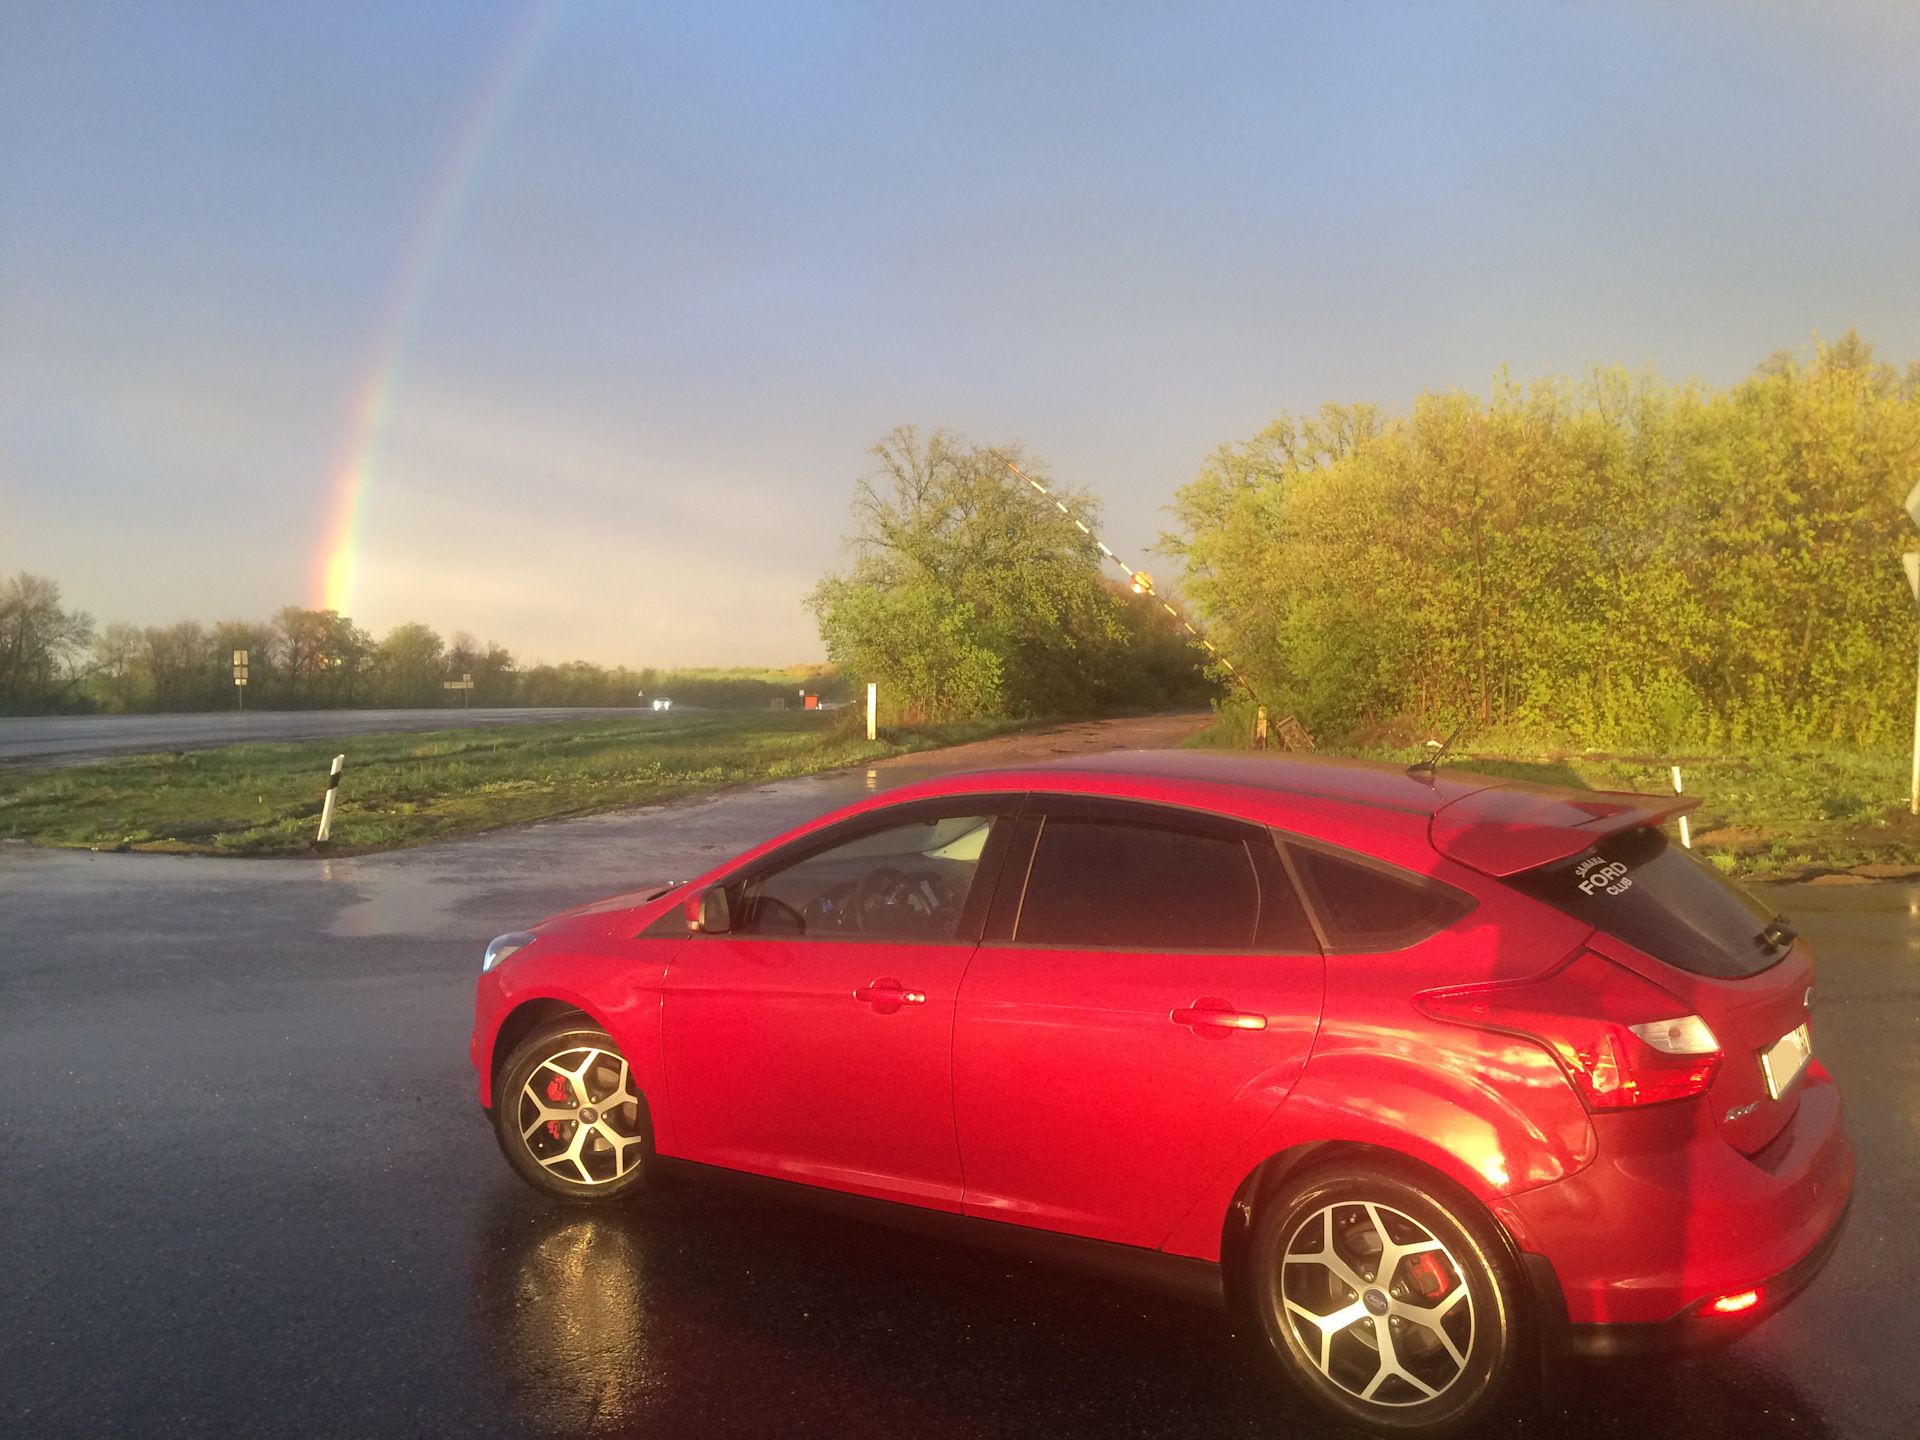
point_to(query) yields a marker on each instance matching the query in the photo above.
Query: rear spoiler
(1505, 829)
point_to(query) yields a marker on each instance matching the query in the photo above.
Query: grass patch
(412, 789)
(1783, 816)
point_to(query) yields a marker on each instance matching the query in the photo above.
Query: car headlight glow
(501, 946)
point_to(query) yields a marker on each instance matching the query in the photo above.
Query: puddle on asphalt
(393, 902)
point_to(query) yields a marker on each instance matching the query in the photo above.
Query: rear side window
(1658, 898)
(1366, 905)
(1115, 885)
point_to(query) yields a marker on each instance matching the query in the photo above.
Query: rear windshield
(1659, 898)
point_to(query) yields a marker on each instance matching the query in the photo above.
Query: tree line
(1615, 561)
(55, 659)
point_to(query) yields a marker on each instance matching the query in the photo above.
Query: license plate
(1785, 1059)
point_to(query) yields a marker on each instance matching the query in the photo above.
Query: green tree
(495, 681)
(40, 644)
(178, 660)
(969, 593)
(922, 645)
(321, 658)
(410, 664)
(117, 679)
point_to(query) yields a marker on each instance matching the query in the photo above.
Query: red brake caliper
(1428, 1275)
(559, 1093)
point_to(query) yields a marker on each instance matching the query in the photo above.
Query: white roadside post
(333, 788)
(873, 711)
(1685, 838)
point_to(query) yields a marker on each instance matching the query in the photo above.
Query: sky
(570, 324)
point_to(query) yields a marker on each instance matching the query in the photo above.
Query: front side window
(1119, 885)
(904, 882)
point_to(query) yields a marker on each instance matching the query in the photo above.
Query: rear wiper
(1779, 933)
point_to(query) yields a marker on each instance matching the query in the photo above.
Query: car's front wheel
(1388, 1298)
(568, 1116)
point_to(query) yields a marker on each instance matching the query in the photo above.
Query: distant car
(1420, 1069)
(661, 702)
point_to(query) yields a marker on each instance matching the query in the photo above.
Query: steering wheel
(892, 901)
(932, 882)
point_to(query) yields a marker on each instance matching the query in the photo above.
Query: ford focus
(1430, 1076)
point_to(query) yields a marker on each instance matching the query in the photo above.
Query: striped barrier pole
(1143, 585)
(333, 789)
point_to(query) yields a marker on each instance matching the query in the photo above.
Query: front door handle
(1213, 1013)
(887, 995)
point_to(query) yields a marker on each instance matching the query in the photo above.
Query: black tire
(565, 1144)
(1427, 1349)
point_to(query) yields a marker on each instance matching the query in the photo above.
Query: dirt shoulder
(1078, 737)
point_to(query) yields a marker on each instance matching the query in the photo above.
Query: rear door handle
(1217, 1014)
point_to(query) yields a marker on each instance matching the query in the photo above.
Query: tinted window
(1657, 897)
(905, 882)
(1366, 905)
(1122, 886)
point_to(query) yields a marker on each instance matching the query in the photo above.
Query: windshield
(1660, 898)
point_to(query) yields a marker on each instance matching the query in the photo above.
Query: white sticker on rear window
(1602, 877)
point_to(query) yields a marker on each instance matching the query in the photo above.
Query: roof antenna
(1423, 769)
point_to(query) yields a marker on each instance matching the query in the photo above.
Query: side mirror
(709, 913)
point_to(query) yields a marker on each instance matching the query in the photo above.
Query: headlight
(501, 946)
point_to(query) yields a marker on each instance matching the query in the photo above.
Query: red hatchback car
(1432, 1073)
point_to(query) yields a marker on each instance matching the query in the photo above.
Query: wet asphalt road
(44, 740)
(245, 1190)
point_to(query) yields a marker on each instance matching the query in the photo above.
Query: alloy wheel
(579, 1116)
(1377, 1303)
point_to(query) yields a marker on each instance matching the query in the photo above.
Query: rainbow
(336, 566)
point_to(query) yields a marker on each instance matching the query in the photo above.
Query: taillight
(1614, 1033)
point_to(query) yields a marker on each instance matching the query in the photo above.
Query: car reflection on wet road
(245, 1190)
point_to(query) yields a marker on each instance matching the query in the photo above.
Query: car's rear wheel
(1388, 1298)
(569, 1117)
